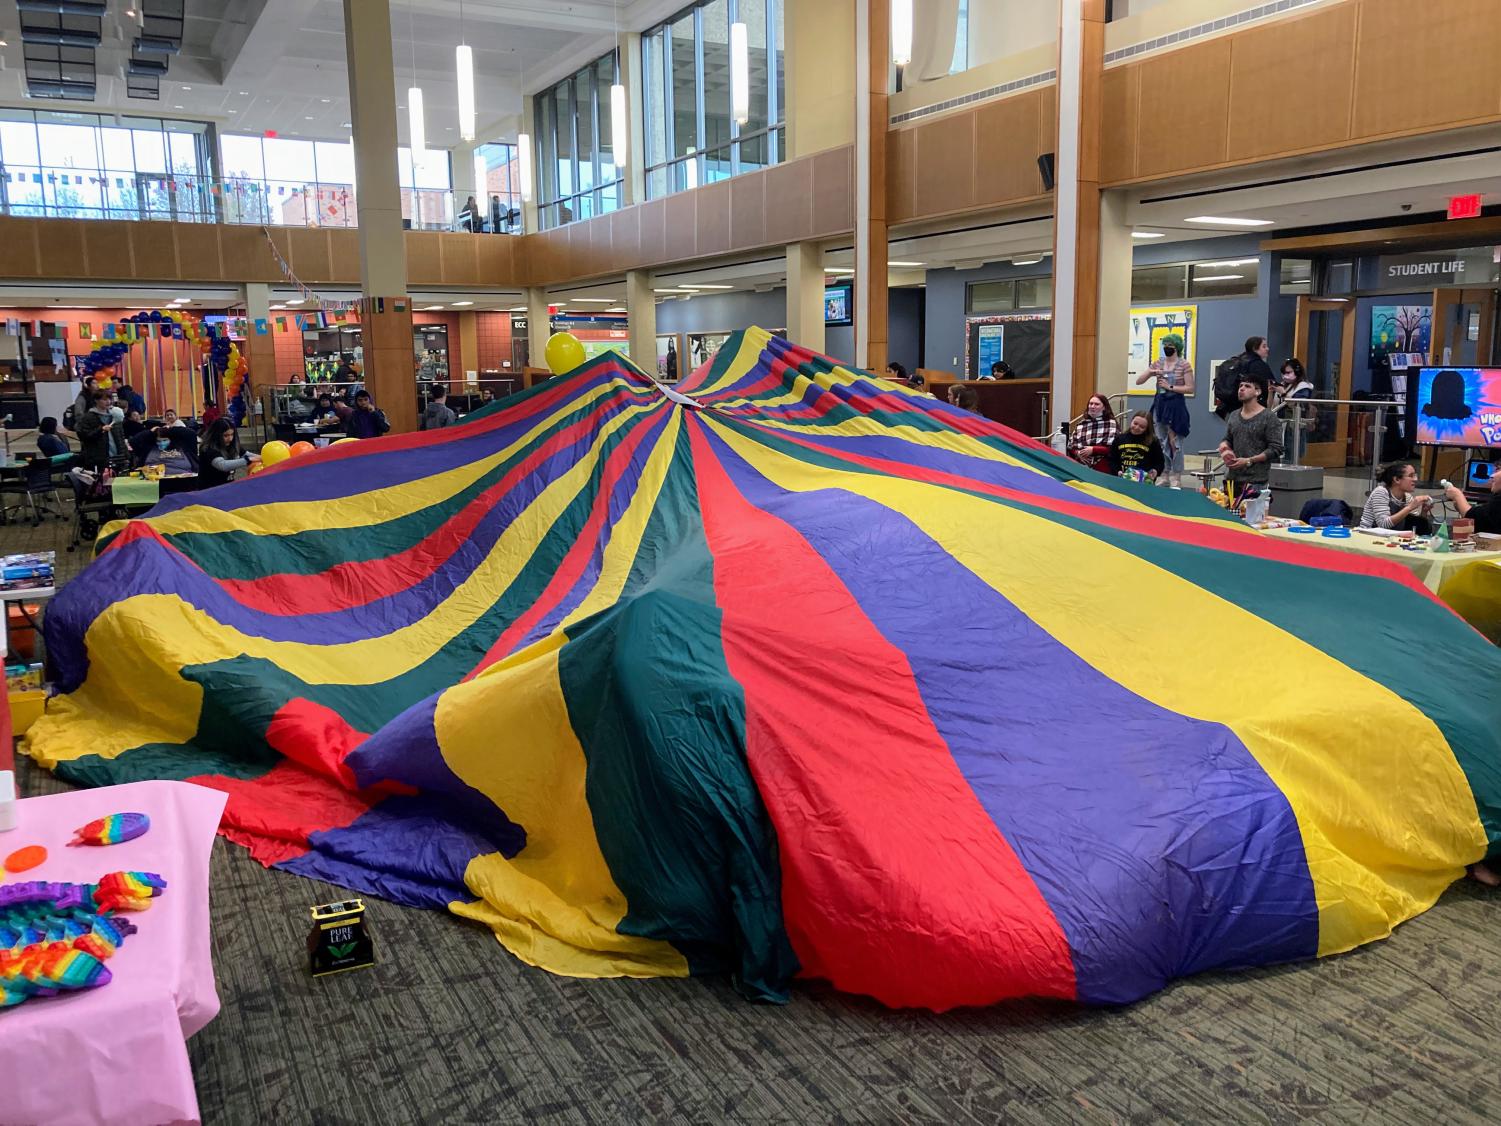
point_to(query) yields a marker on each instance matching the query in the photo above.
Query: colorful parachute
(791, 671)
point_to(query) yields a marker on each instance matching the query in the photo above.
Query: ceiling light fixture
(1221, 221)
(460, 304)
(620, 133)
(690, 169)
(704, 285)
(616, 309)
(837, 270)
(671, 291)
(432, 309)
(592, 300)
(1218, 277)
(416, 125)
(901, 32)
(1232, 262)
(1147, 234)
(1026, 261)
(464, 68)
(481, 172)
(906, 265)
(524, 151)
(739, 73)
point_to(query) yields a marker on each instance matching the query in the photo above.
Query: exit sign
(1464, 207)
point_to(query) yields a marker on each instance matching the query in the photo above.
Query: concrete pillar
(805, 295)
(538, 326)
(641, 318)
(1114, 310)
(468, 355)
(386, 314)
(529, 206)
(1076, 206)
(630, 76)
(260, 351)
(872, 55)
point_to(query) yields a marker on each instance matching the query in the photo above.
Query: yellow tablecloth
(1470, 582)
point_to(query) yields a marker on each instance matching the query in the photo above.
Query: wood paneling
(1270, 114)
(1184, 103)
(18, 248)
(789, 202)
(901, 173)
(945, 159)
(424, 256)
(748, 210)
(312, 257)
(460, 257)
(712, 220)
(1118, 117)
(653, 232)
(1426, 64)
(1001, 173)
(155, 247)
(678, 240)
(833, 192)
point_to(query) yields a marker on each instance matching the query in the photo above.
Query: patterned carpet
(449, 1028)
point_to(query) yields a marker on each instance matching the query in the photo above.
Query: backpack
(1226, 379)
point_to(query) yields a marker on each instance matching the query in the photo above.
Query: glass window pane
(716, 25)
(656, 183)
(546, 148)
(1234, 278)
(151, 153)
(183, 148)
(563, 120)
(18, 142)
(119, 153)
(960, 60)
(604, 78)
(1296, 275)
(432, 171)
(781, 60)
(335, 162)
(68, 146)
(753, 153)
(289, 160)
(684, 88)
(654, 91)
(583, 91)
(716, 165)
(1034, 293)
(1157, 283)
(752, 13)
(991, 297)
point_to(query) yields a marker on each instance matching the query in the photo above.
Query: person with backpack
(1227, 377)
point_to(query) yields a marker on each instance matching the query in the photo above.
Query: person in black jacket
(1487, 516)
(1136, 447)
(1251, 362)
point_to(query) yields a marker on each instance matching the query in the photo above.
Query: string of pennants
(335, 197)
(134, 331)
(339, 310)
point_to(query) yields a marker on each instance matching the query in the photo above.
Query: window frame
(603, 195)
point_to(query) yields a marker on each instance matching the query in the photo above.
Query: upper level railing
(71, 193)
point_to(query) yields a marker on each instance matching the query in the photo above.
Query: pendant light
(620, 133)
(416, 122)
(901, 32)
(464, 69)
(739, 73)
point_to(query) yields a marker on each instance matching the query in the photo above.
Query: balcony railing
(71, 193)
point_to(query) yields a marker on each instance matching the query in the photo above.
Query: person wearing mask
(48, 443)
(221, 457)
(168, 452)
(1299, 422)
(1253, 436)
(1227, 378)
(211, 413)
(438, 413)
(1395, 503)
(1136, 447)
(1093, 435)
(1487, 516)
(964, 397)
(96, 432)
(1175, 379)
(365, 421)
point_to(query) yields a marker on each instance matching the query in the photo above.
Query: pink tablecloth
(119, 1053)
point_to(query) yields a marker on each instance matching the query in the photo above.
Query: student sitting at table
(325, 413)
(168, 450)
(48, 442)
(1395, 504)
(221, 456)
(1487, 516)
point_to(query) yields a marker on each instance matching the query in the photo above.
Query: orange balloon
(24, 859)
(301, 448)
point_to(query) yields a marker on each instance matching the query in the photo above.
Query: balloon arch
(225, 362)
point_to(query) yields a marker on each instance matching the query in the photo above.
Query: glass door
(1325, 341)
(1464, 323)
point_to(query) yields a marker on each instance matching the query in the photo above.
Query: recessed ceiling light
(187, 87)
(616, 309)
(1232, 262)
(1147, 234)
(705, 285)
(672, 291)
(349, 125)
(431, 309)
(837, 270)
(518, 308)
(294, 301)
(3, 43)
(908, 265)
(244, 93)
(456, 304)
(1218, 277)
(1221, 221)
(180, 300)
(325, 101)
(233, 112)
(1025, 261)
(177, 107)
(308, 117)
(595, 300)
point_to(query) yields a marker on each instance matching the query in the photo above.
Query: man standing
(438, 413)
(1253, 436)
(365, 421)
(96, 432)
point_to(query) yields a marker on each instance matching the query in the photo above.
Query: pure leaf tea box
(339, 940)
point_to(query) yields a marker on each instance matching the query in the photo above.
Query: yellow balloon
(564, 353)
(273, 453)
(341, 441)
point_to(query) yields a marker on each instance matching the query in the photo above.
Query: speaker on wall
(1045, 166)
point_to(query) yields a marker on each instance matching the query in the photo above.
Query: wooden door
(1324, 340)
(1464, 323)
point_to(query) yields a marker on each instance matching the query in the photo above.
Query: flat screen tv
(1454, 406)
(838, 304)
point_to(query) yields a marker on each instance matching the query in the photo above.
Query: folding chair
(37, 481)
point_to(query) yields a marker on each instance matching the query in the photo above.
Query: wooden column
(260, 350)
(872, 65)
(468, 350)
(1076, 206)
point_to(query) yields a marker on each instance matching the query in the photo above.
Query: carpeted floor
(450, 1028)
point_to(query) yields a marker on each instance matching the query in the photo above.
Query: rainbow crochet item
(117, 828)
(56, 937)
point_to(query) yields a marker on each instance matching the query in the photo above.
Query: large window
(575, 146)
(289, 182)
(497, 176)
(692, 136)
(1231, 277)
(96, 166)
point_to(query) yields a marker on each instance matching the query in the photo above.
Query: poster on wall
(1401, 329)
(1150, 324)
(1023, 340)
(990, 345)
